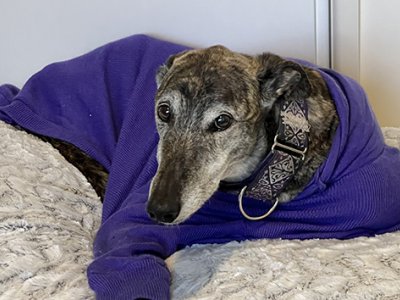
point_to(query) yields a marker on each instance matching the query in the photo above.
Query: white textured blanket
(49, 215)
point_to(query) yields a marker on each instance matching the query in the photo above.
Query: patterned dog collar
(285, 158)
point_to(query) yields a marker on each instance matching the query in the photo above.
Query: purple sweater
(102, 102)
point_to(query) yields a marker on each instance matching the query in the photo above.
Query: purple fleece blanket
(103, 103)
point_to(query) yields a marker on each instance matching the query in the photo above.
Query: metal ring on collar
(250, 217)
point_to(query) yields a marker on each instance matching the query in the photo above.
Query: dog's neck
(286, 156)
(242, 169)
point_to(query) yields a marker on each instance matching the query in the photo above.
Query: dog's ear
(163, 70)
(281, 78)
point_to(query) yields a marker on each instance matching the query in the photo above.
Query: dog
(217, 115)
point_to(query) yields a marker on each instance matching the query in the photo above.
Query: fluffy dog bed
(49, 215)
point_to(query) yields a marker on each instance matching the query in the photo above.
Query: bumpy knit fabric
(103, 102)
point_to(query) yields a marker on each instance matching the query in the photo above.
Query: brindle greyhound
(217, 114)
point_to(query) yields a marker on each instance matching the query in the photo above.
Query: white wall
(380, 57)
(366, 46)
(36, 33)
(346, 37)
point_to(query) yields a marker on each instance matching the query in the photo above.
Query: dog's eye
(222, 122)
(164, 112)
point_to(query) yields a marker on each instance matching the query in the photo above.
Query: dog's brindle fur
(199, 86)
(194, 157)
(95, 173)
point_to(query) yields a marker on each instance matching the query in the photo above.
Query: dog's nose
(163, 213)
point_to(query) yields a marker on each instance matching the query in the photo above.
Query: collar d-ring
(250, 217)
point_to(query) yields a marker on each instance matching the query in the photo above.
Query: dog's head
(211, 106)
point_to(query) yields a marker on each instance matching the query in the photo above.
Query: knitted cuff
(144, 277)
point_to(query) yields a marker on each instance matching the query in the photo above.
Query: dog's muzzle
(163, 213)
(164, 205)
